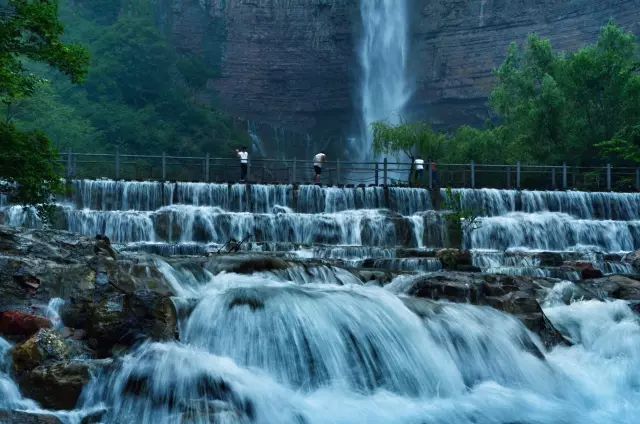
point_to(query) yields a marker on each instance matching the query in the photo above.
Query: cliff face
(287, 65)
(291, 66)
(457, 44)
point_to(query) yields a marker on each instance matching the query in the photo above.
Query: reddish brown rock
(13, 323)
(586, 269)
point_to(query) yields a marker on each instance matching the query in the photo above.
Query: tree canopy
(141, 95)
(31, 32)
(581, 108)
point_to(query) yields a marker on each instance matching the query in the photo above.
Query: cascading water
(258, 349)
(10, 396)
(384, 52)
(311, 343)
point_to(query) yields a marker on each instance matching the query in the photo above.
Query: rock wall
(291, 66)
(458, 43)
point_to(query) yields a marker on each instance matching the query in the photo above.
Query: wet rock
(550, 259)
(374, 276)
(456, 260)
(56, 385)
(122, 319)
(244, 263)
(633, 258)
(517, 296)
(22, 417)
(27, 280)
(585, 269)
(415, 253)
(95, 417)
(46, 345)
(14, 323)
(613, 286)
(102, 247)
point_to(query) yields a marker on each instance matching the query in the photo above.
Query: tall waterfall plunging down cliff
(383, 58)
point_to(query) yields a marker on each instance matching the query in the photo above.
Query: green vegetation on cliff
(140, 93)
(580, 108)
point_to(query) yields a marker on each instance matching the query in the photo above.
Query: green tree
(562, 107)
(409, 138)
(530, 103)
(30, 31)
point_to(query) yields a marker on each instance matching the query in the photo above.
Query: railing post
(117, 163)
(564, 176)
(69, 174)
(509, 177)
(294, 171)
(553, 177)
(338, 172)
(473, 174)
(430, 175)
(376, 174)
(385, 171)
(206, 169)
(609, 177)
(638, 179)
(164, 166)
(518, 175)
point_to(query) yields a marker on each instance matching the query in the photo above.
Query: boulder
(122, 319)
(586, 269)
(456, 260)
(612, 286)
(14, 323)
(244, 263)
(514, 295)
(23, 417)
(56, 385)
(633, 258)
(415, 253)
(46, 345)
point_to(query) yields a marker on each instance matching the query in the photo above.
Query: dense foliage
(30, 31)
(580, 108)
(140, 94)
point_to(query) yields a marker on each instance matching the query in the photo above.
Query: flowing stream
(257, 349)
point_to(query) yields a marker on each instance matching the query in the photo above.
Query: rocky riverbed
(70, 309)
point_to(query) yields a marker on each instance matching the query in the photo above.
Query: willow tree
(411, 139)
(30, 32)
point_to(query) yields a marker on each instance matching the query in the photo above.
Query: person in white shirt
(243, 155)
(419, 164)
(318, 160)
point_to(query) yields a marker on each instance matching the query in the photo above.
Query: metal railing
(293, 171)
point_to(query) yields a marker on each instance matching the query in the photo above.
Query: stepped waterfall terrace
(342, 308)
(342, 223)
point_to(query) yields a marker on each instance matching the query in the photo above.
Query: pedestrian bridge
(337, 173)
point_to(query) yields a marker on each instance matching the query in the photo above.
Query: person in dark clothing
(434, 174)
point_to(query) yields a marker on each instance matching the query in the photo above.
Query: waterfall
(384, 51)
(260, 349)
(553, 231)
(493, 202)
(10, 396)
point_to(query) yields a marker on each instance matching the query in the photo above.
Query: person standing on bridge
(419, 164)
(243, 155)
(318, 160)
(435, 177)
